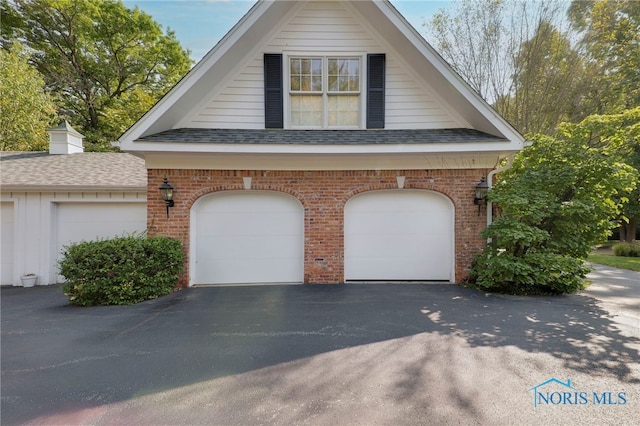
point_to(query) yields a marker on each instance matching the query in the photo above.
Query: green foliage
(630, 263)
(516, 55)
(617, 136)
(559, 199)
(122, 270)
(610, 31)
(547, 83)
(26, 109)
(101, 59)
(533, 273)
(537, 68)
(627, 249)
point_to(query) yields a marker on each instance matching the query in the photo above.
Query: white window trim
(362, 56)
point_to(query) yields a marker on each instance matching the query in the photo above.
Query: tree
(475, 43)
(26, 109)
(619, 135)
(481, 38)
(610, 32)
(547, 83)
(562, 196)
(99, 57)
(519, 56)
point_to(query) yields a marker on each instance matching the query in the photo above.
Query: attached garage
(50, 200)
(399, 235)
(7, 249)
(247, 237)
(82, 221)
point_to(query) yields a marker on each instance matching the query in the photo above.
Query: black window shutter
(273, 111)
(375, 91)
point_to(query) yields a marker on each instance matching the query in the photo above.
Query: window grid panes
(306, 74)
(344, 75)
(324, 92)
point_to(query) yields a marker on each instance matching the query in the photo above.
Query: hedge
(627, 249)
(122, 270)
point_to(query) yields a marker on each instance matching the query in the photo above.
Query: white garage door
(399, 235)
(6, 241)
(247, 237)
(77, 222)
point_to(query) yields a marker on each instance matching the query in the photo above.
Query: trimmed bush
(627, 249)
(533, 273)
(121, 271)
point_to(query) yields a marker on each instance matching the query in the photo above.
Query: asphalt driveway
(381, 354)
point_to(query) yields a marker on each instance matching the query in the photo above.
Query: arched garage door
(247, 237)
(399, 235)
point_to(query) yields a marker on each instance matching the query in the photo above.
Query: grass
(604, 256)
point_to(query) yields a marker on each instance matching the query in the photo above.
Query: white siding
(324, 28)
(410, 104)
(35, 230)
(6, 243)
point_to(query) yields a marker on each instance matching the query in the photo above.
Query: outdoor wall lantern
(166, 191)
(481, 194)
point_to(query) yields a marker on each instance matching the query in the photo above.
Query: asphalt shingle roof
(321, 137)
(87, 170)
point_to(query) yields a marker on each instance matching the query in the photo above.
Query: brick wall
(323, 195)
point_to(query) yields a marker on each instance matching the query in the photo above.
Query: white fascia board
(72, 188)
(448, 73)
(212, 148)
(198, 72)
(279, 162)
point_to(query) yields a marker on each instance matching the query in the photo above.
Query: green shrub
(562, 195)
(121, 271)
(627, 249)
(532, 273)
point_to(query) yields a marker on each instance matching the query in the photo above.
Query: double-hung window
(324, 91)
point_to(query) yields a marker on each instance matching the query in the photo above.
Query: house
(321, 142)
(51, 199)
(537, 395)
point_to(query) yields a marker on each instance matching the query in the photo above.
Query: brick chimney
(64, 139)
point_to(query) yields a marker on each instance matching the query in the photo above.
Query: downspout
(490, 183)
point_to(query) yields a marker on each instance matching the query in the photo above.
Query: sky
(200, 24)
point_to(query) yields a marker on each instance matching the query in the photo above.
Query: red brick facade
(323, 195)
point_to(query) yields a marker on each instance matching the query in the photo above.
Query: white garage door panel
(76, 222)
(248, 237)
(274, 247)
(268, 223)
(246, 271)
(88, 221)
(6, 241)
(399, 235)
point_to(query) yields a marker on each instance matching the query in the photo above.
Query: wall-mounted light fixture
(480, 197)
(166, 191)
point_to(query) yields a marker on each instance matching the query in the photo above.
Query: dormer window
(324, 92)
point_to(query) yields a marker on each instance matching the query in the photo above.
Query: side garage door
(247, 237)
(399, 235)
(6, 241)
(77, 222)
